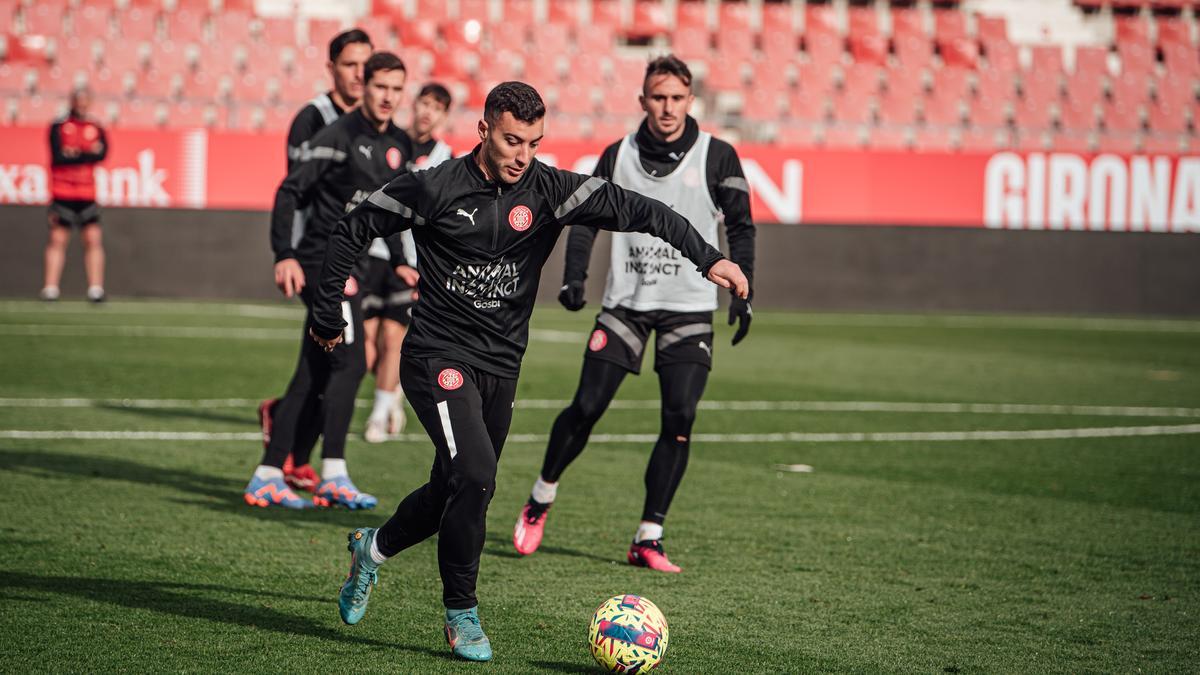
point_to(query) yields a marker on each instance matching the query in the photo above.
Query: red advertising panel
(1065, 191)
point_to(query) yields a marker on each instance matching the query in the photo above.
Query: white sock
(399, 396)
(384, 400)
(543, 492)
(264, 472)
(376, 557)
(50, 292)
(332, 468)
(648, 531)
(94, 292)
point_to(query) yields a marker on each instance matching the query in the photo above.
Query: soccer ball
(628, 634)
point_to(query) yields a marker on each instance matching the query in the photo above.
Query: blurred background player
(338, 168)
(348, 53)
(387, 300)
(670, 159)
(484, 224)
(77, 144)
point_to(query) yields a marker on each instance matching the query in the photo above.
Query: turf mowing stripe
(200, 332)
(642, 404)
(788, 437)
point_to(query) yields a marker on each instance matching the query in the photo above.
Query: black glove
(571, 296)
(740, 311)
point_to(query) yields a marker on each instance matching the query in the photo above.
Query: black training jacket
(336, 169)
(482, 246)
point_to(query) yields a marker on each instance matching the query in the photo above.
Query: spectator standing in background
(77, 145)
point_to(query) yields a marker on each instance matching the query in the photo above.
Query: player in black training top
(671, 160)
(339, 167)
(348, 53)
(484, 225)
(387, 300)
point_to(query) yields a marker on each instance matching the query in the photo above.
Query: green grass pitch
(1067, 541)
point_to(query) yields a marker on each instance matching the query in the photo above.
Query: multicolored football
(628, 634)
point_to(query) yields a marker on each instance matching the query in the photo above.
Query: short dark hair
(382, 61)
(668, 65)
(339, 42)
(437, 92)
(517, 98)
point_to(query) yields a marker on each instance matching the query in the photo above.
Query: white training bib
(646, 273)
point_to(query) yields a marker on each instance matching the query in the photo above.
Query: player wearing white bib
(388, 299)
(649, 290)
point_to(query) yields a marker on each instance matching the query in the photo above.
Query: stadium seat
(58, 82)
(1179, 91)
(1033, 140)
(322, 31)
(779, 46)
(864, 21)
(1132, 30)
(419, 32)
(1172, 144)
(1001, 57)
(897, 108)
(722, 75)
(1174, 31)
(1082, 88)
(692, 14)
(596, 41)
(984, 140)
(159, 85)
(14, 79)
(565, 12)
(952, 82)
(519, 12)
(1033, 114)
(478, 10)
(1119, 142)
(44, 18)
(1078, 116)
(1073, 141)
(908, 22)
(1181, 61)
(862, 79)
(823, 49)
(913, 51)
(853, 107)
(776, 80)
(949, 25)
(935, 139)
(92, 21)
(231, 28)
(649, 20)
(736, 15)
(572, 99)
(36, 110)
(890, 138)
(1136, 59)
(191, 116)
(545, 71)
(735, 43)
(1130, 89)
(815, 79)
(1122, 118)
(777, 17)
(845, 137)
(277, 31)
(820, 20)
(984, 112)
(137, 24)
(762, 105)
(808, 106)
(607, 13)
(185, 25)
(1091, 62)
(990, 29)
(943, 111)
(1164, 117)
(141, 115)
(869, 48)
(431, 10)
(382, 35)
(799, 135)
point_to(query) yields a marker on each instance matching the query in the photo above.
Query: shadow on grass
(502, 547)
(183, 600)
(206, 415)
(567, 667)
(218, 493)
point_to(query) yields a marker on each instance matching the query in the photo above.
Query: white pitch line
(787, 437)
(652, 404)
(155, 308)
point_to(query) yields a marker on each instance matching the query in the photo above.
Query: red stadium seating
(869, 48)
(692, 14)
(823, 49)
(908, 22)
(864, 21)
(649, 19)
(913, 51)
(736, 15)
(949, 24)
(815, 79)
(889, 138)
(897, 109)
(808, 107)
(991, 29)
(935, 139)
(820, 20)
(943, 111)
(778, 17)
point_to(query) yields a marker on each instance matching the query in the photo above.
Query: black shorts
(680, 337)
(72, 213)
(385, 294)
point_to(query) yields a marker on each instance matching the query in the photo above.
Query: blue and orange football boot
(465, 635)
(273, 492)
(341, 491)
(364, 574)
